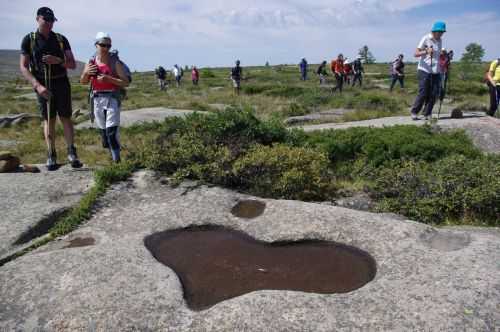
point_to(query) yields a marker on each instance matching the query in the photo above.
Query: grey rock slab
(219, 107)
(7, 143)
(483, 130)
(327, 115)
(30, 200)
(31, 96)
(129, 118)
(421, 283)
(7, 120)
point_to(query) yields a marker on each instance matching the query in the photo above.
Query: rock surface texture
(427, 279)
(30, 201)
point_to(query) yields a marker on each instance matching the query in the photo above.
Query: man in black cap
(45, 58)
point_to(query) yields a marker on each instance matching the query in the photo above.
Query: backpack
(114, 59)
(32, 46)
(161, 72)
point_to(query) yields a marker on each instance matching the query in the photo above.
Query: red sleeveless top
(103, 86)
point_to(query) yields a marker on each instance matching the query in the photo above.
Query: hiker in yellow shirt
(493, 81)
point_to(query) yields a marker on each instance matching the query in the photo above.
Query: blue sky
(216, 32)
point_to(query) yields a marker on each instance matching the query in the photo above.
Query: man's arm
(24, 63)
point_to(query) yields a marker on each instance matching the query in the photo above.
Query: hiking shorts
(236, 83)
(60, 100)
(106, 110)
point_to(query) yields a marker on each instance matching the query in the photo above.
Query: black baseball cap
(46, 13)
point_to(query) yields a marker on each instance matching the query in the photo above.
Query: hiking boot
(73, 158)
(52, 161)
(414, 116)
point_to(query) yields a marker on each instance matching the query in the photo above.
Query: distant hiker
(347, 72)
(493, 80)
(45, 58)
(321, 72)
(444, 63)
(107, 76)
(357, 71)
(338, 70)
(236, 75)
(303, 69)
(398, 72)
(177, 74)
(161, 75)
(195, 75)
(428, 74)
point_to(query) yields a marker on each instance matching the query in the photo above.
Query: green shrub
(286, 91)
(282, 171)
(196, 146)
(207, 73)
(376, 146)
(453, 190)
(252, 89)
(294, 109)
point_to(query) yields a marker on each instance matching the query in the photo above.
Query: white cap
(101, 36)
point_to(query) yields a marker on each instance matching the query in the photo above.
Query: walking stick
(432, 87)
(48, 74)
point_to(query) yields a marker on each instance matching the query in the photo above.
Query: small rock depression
(443, 240)
(216, 264)
(80, 242)
(248, 209)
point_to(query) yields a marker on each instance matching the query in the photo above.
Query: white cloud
(150, 32)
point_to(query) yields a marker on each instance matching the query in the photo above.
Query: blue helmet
(439, 26)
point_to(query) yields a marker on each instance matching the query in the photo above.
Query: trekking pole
(431, 95)
(48, 75)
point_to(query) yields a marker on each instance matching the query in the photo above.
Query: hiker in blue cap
(429, 71)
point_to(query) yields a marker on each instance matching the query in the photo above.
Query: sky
(215, 33)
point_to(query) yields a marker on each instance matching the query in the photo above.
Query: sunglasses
(104, 45)
(48, 19)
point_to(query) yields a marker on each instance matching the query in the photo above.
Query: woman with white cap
(107, 76)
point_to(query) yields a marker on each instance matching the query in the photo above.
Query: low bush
(282, 171)
(376, 146)
(453, 190)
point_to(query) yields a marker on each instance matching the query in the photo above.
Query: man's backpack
(32, 47)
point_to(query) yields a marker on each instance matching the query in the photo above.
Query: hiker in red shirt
(195, 75)
(338, 70)
(444, 62)
(347, 72)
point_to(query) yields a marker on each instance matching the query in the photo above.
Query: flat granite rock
(427, 279)
(30, 200)
(128, 118)
(483, 130)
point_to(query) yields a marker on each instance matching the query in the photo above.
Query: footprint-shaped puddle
(215, 264)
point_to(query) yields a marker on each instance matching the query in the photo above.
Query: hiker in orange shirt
(338, 70)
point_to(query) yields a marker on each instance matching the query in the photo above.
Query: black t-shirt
(236, 72)
(41, 47)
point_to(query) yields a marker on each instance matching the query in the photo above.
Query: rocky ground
(31, 202)
(102, 277)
